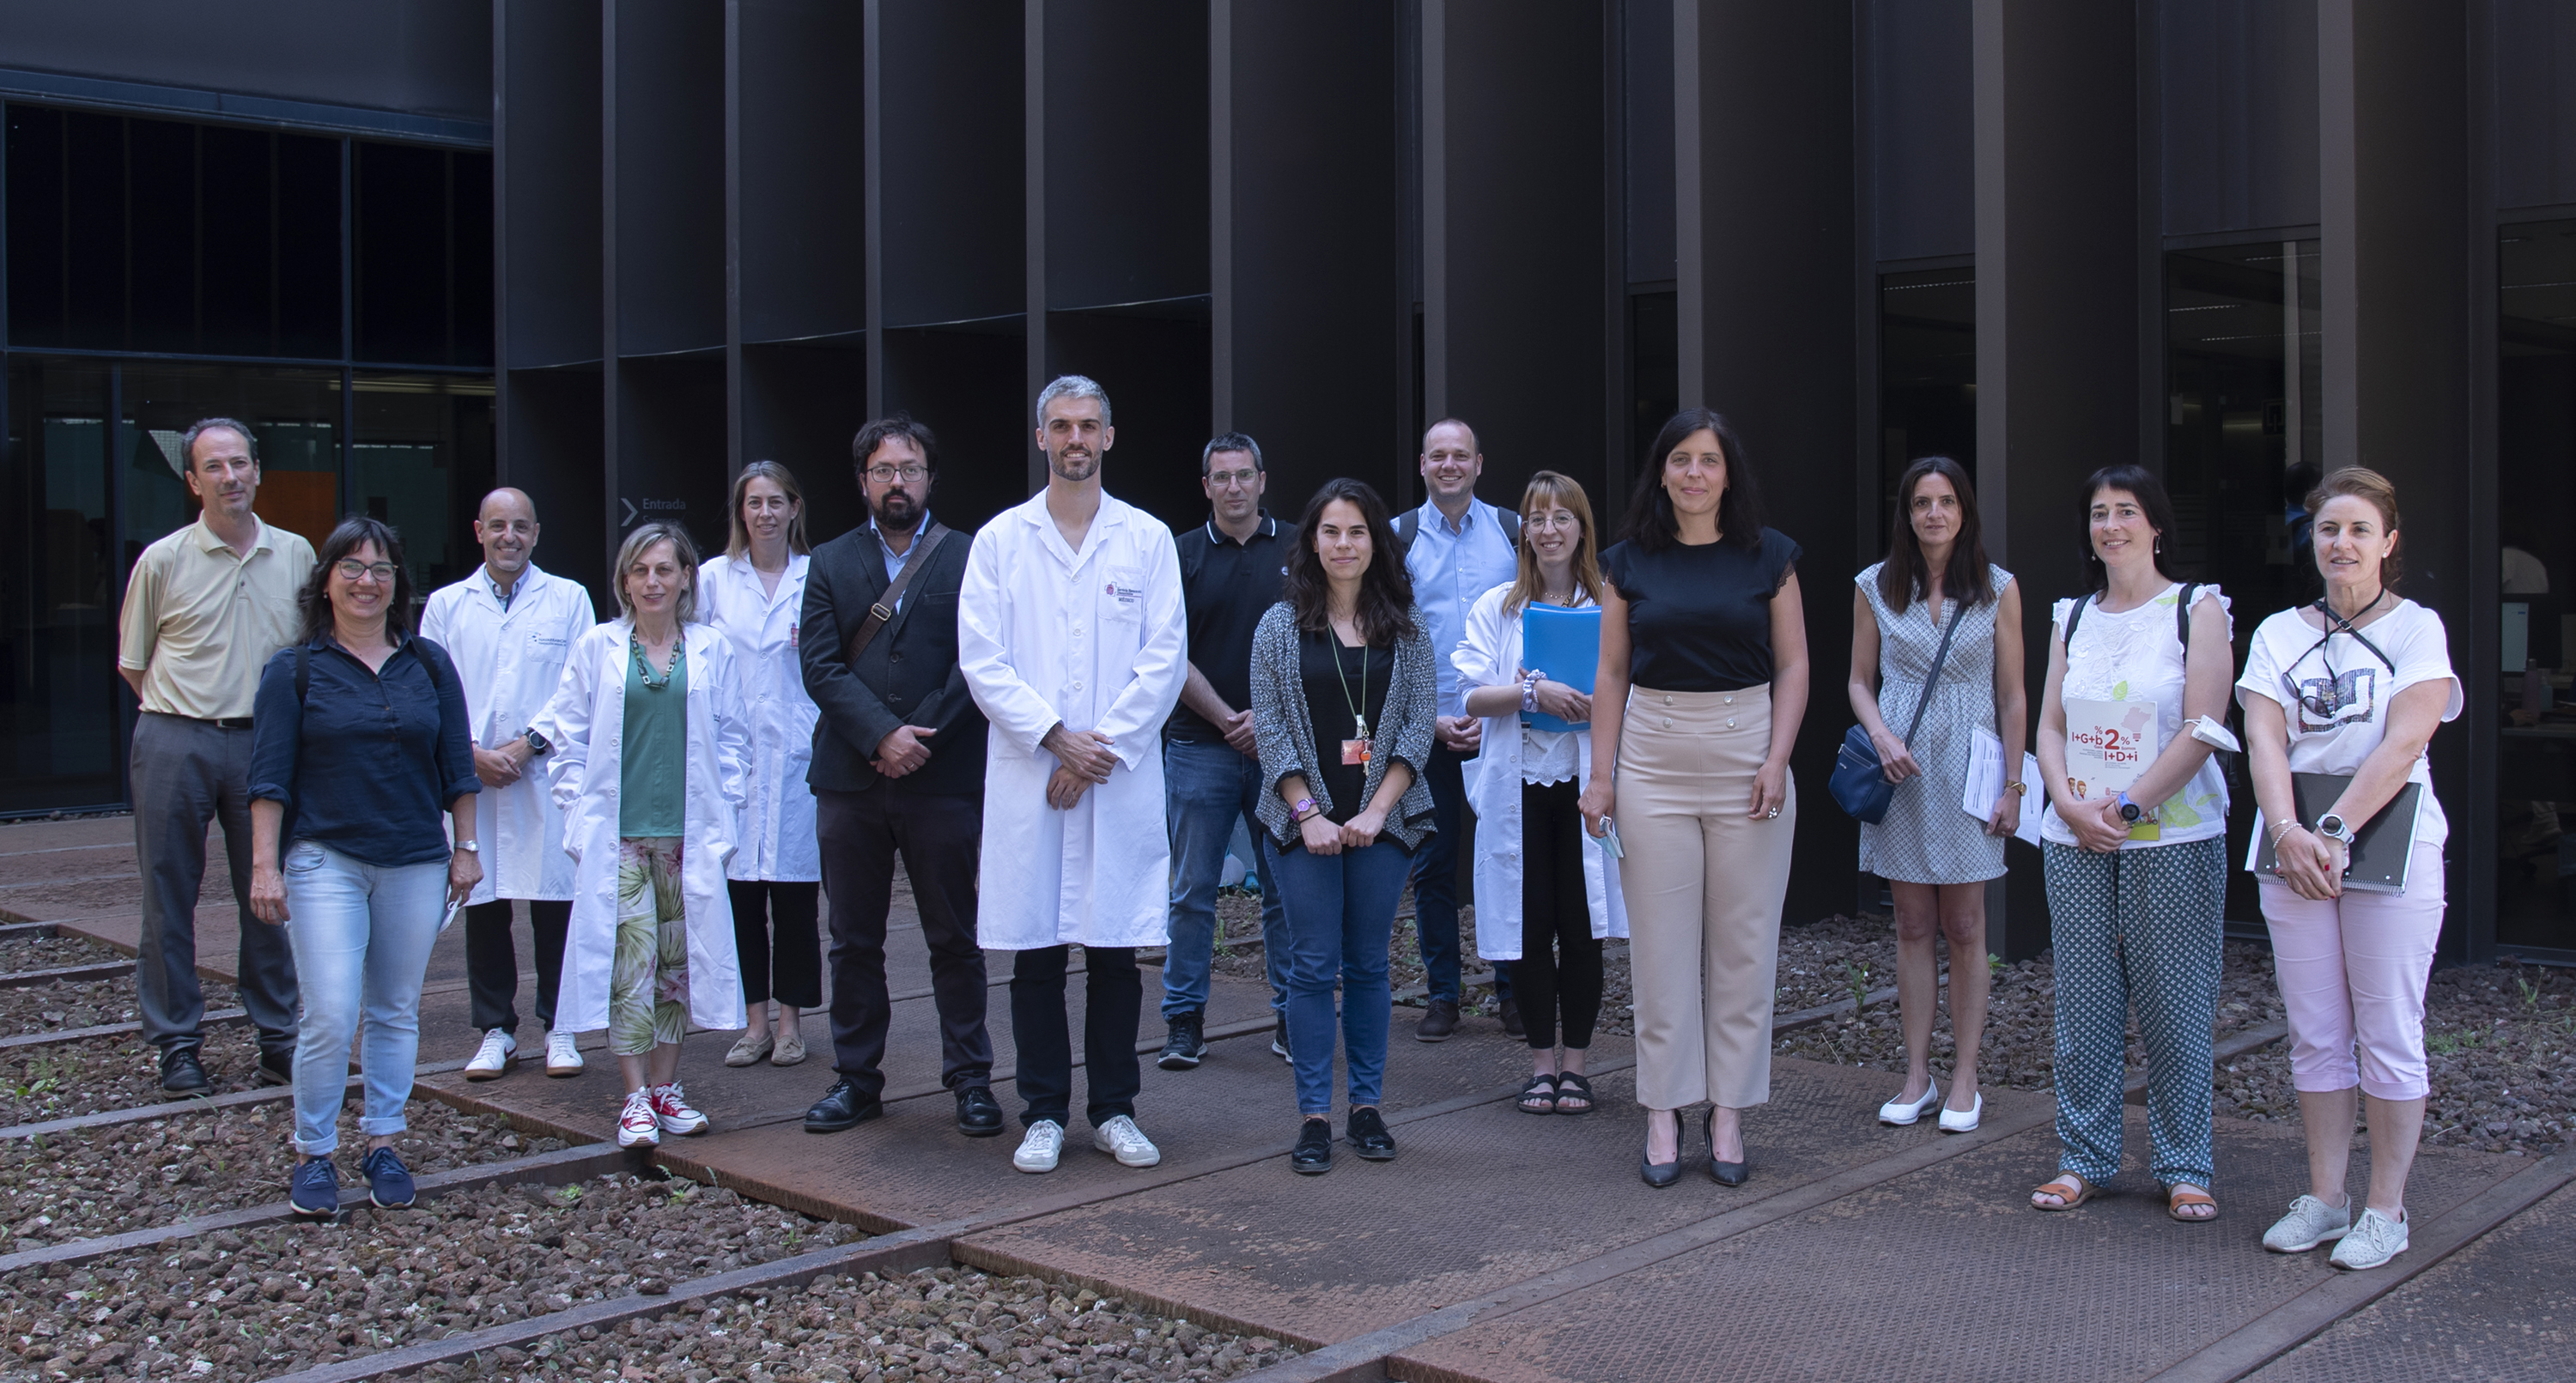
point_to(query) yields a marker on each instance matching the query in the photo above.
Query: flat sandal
(2070, 1189)
(1572, 1083)
(1537, 1097)
(2177, 1199)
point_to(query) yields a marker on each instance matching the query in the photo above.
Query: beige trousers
(1704, 884)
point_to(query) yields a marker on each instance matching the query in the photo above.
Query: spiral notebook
(2382, 846)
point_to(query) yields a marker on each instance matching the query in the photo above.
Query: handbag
(1859, 782)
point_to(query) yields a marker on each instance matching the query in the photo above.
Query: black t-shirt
(1226, 587)
(1699, 618)
(1333, 676)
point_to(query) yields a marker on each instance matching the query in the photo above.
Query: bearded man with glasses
(898, 770)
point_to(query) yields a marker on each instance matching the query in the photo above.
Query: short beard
(892, 519)
(1057, 466)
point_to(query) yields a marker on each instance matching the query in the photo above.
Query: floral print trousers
(648, 984)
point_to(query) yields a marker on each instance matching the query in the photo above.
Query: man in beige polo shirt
(204, 610)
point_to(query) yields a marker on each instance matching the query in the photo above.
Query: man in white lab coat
(1072, 637)
(508, 626)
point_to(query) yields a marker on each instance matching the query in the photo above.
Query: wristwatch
(1304, 806)
(2131, 812)
(470, 846)
(536, 743)
(2332, 827)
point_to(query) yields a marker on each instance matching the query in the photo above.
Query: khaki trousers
(1704, 883)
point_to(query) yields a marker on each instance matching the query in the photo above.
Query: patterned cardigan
(1285, 729)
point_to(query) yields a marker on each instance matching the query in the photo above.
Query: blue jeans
(361, 935)
(1435, 883)
(1341, 916)
(1206, 789)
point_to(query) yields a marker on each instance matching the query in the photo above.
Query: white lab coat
(509, 661)
(585, 720)
(778, 816)
(1096, 640)
(1489, 656)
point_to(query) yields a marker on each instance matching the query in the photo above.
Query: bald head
(506, 529)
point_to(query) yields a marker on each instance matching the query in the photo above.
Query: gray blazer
(1285, 729)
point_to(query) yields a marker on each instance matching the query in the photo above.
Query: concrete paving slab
(29, 837)
(1852, 1289)
(1475, 1201)
(2502, 1309)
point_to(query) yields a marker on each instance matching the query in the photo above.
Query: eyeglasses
(1228, 479)
(354, 570)
(887, 475)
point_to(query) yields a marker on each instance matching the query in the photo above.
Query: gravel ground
(47, 952)
(2021, 1035)
(275, 1299)
(136, 1176)
(248, 1305)
(84, 1004)
(2501, 1040)
(56, 1080)
(868, 1329)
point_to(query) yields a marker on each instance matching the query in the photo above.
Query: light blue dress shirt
(893, 559)
(1449, 570)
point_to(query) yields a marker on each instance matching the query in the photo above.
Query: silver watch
(2332, 827)
(470, 846)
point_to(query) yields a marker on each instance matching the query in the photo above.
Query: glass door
(2535, 843)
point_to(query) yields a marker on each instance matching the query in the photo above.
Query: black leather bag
(1859, 782)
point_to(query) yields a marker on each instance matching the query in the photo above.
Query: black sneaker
(1187, 1046)
(1439, 1020)
(389, 1182)
(1313, 1155)
(1512, 1016)
(277, 1066)
(315, 1192)
(1279, 1041)
(1369, 1137)
(183, 1076)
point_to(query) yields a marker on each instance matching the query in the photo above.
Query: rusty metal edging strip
(29, 979)
(10, 931)
(220, 1018)
(216, 1103)
(2292, 1323)
(551, 1169)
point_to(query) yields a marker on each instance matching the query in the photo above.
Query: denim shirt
(367, 761)
(1449, 571)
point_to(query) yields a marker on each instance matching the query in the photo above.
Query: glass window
(2244, 432)
(2536, 486)
(58, 696)
(1927, 374)
(421, 460)
(293, 414)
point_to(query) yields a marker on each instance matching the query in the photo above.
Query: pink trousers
(2352, 973)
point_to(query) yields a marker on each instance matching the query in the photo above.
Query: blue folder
(1564, 644)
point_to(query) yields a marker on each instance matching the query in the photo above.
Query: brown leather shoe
(1512, 1016)
(1438, 1022)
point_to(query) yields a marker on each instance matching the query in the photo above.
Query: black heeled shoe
(1723, 1173)
(1662, 1174)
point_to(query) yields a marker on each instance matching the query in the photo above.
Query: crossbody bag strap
(885, 607)
(1934, 680)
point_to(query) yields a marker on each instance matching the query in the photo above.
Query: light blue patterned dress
(1927, 838)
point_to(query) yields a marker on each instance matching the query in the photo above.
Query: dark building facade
(609, 250)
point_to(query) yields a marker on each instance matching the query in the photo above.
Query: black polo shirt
(1227, 586)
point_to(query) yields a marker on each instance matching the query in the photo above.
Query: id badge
(1355, 753)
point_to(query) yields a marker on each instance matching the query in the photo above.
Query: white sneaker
(1041, 1147)
(1964, 1120)
(563, 1054)
(2372, 1241)
(493, 1060)
(637, 1127)
(1120, 1138)
(2310, 1222)
(671, 1108)
(1902, 1111)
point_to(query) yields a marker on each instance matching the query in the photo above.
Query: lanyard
(2325, 706)
(1359, 721)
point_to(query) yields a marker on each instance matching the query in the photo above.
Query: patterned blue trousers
(2138, 926)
